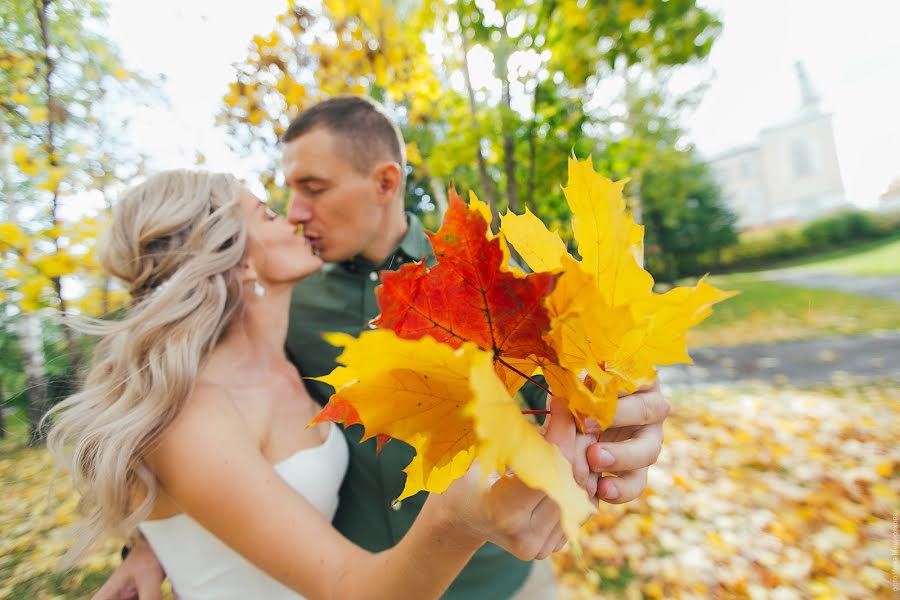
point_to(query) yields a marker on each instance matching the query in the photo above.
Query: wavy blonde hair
(176, 241)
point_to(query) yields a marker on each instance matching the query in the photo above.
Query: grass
(766, 311)
(879, 257)
(16, 425)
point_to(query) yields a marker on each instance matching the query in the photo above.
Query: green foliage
(839, 229)
(766, 249)
(686, 221)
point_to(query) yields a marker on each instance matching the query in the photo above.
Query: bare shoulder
(207, 421)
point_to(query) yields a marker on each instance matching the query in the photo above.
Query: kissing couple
(190, 431)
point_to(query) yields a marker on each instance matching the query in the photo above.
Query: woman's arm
(211, 466)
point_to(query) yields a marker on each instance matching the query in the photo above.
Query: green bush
(762, 250)
(840, 229)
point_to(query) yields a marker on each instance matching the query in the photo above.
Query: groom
(344, 162)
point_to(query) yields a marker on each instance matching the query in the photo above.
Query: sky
(851, 52)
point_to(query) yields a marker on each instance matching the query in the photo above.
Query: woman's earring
(258, 289)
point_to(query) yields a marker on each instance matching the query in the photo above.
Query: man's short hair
(362, 127)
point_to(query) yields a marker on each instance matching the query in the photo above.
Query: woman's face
(277, 252)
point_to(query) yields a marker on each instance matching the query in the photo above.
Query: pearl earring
(258, 289)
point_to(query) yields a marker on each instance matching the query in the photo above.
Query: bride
(192, 424)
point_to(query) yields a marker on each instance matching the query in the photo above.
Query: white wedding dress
(201, 567)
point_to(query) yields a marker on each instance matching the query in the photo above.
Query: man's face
(338, 207)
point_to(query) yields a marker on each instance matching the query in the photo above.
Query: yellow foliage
(33, 290)
(26, 163)
(12, 237)
(54, 176)
(39, 114)
(96, 304)
(413, 156)
(58, 264)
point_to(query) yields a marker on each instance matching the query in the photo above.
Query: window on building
(745, 168)
(801, 158)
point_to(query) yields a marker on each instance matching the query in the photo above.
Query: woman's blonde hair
(176, 241)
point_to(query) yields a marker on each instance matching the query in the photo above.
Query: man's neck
(385, 244)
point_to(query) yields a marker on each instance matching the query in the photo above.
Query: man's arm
(139, 576)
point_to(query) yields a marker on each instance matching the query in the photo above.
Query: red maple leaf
(470, 295)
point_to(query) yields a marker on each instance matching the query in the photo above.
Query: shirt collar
(414, 245)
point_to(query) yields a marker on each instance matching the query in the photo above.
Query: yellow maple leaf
(660, 340)
(428, 384)
(608, 238)
(540, 248)
(450, 406)
(507, 441)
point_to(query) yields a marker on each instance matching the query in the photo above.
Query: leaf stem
(515, 370)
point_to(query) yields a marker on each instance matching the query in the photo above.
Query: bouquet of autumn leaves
(456, 341)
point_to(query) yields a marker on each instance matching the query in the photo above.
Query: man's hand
(140, 576)
(630, 445)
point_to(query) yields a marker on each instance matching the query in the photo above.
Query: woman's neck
(255, 340)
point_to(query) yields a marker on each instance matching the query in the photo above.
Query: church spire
(809, 97)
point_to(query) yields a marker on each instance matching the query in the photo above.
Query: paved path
(802, 363)
(875, 286)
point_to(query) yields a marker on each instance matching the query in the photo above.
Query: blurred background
(762, 144)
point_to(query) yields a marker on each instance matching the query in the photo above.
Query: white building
(890, 200)
(790, 174)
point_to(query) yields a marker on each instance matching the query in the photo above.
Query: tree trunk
(32, 348)
(439, 192)
(487, 185)
(31, 343)
(532, 150)
(2, 405)
(509, 144)
(42, 7)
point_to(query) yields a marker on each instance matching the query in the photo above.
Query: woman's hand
(523, 521)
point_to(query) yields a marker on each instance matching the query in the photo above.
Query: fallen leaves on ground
(33, 526)
(763, 493)
(760, 493)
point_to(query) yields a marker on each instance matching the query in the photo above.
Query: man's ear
(388, 180)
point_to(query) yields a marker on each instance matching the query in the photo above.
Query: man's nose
(298, 211)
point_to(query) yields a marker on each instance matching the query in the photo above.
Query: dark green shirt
(341, 298)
